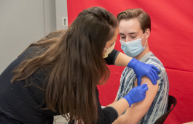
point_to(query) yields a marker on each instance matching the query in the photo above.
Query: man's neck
(145, 51)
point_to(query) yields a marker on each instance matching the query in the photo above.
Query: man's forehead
(129, 25)
(132, 21)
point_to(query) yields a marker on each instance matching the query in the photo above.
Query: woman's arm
(117, 58)
(141, 69)
(111, 112)
(122, 60)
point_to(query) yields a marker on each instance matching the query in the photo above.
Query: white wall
(23, 22)
(61, 13)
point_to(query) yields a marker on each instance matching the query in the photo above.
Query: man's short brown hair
(142, 16)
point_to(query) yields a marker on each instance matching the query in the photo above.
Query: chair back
(171, 104)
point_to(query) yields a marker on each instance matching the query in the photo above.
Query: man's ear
(147, 33)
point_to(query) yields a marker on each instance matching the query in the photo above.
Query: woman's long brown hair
(75, 63)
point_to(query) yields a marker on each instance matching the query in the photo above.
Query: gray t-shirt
(159, 104)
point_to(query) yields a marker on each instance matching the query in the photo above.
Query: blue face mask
(132, 48)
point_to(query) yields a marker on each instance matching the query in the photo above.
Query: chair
(171, 104)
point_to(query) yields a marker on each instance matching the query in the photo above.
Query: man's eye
(133, 37)
(122, 37)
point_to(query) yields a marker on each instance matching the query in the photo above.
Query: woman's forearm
(122, 60)
(120, 106)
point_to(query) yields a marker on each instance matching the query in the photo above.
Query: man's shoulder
(153, 60)
(127, 71)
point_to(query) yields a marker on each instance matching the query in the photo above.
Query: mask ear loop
(145, 42)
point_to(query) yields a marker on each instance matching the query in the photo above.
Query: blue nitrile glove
(136, 94)
(141, 69)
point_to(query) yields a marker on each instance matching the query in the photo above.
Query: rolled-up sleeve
(110, 60)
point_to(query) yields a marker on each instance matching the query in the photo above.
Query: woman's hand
(141, 69)
(136, 94)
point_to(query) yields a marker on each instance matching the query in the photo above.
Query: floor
(60, 120)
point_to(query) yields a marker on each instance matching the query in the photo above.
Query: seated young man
(134, 30)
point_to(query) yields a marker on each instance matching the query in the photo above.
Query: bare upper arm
(150, 95)
(136, 112)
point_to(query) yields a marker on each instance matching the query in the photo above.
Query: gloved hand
(136, 94)
(141, 69)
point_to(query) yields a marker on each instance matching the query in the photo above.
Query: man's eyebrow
(128, 33)
(133, 33)
(121, 34)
